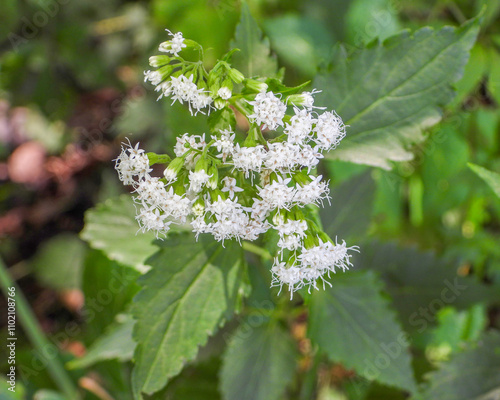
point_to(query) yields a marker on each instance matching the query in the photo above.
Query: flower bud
(213, 181)
(198, 207)
(236, 76)
(159, 61)
(255, 86)
(173, 169)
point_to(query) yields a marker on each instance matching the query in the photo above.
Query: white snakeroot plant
(240, 185)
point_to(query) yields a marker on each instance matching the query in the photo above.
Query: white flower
(286, 275)
(291, 227)
(290, 242)
(248, 159)
(268, 109)
(132, 162)
(151, 191)
(300, 126)
(197, 180)
(151, 219)
(314, 192)
(308, 157)
(178, 207)
(330, 130)
(282, 157)
(183, 89)
(224, 144)
(200, 226)
(224, 93)
(174, 45)
(278, 194)
(153, 76)
(230, 186)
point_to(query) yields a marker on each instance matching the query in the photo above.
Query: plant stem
(36, 336)
(252, 248)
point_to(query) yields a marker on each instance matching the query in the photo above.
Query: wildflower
(269, 110)
(330, 130)
(174, 45)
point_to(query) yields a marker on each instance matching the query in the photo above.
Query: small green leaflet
(471, 375)
(353, 324)
(255, 55)
(259, 362)
(192, 288)
(112, 228)
(491, 178)
(390, 92)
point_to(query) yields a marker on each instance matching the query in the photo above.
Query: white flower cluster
(240, 189)
(159, 207)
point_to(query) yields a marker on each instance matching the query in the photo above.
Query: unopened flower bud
(173, 169)
(236, 76)
(255, 86)
(159, 61)
(213, 181)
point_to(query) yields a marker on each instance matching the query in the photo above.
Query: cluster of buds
(236, 185)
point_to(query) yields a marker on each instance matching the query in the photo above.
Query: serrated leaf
(353, 324)
(356, 196)
(390, 92)
(191, 289)
(471, 375)
(420, 283)
(259, 363)
(255, 55)
(491, 178)
(115, 343)
(112, 228)
(108, 288)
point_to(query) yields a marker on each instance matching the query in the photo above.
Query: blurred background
(71, 90)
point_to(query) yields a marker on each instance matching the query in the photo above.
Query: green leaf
(299, 41)
(221, 120)
(370, 19)
(471, 375)
(390, 92)
(259, 362)
(108, 288)
(192, 288)
(494, 74)
(353, 217)
(353, 324)
(255, 55)
(112, 228)
(115, 343)
(204, 374)
(58, 263)
(491, 178)
(158, 158)
(420, 283)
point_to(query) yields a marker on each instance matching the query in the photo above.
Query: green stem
(252, 248)
(36, 336)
